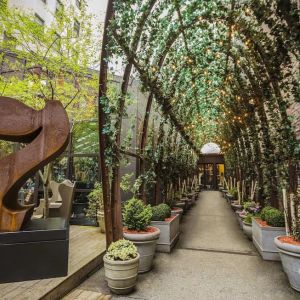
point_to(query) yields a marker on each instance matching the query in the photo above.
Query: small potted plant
(247, 226)
(252, 209)
(96, 207)
(265, 228)
(136, 220)
(289, 245)
(121, 263)
(232, 195)
(168, 225)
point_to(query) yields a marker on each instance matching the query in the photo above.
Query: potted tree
(265, 228)
(96, 207)
(289, 245)
(136, 220)
(252, 209)
(168, 225)
(121, 263)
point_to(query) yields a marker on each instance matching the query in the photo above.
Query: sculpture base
(40, 251)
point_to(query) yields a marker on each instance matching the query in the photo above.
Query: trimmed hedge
(161, 212)
(275, 218)
(264, 211)
(136, 215)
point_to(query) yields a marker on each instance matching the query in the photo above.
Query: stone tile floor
(212, 260)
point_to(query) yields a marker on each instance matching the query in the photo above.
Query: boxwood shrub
(274, 217)
(161, 212)
(264, 211)
(136, 215)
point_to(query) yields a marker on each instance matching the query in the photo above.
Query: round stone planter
(290, 258)
(181, 205)
(121, 276)
(101, 221)
(229, 198)
(146, 245)
(239, 218)
(247, 228)
(236, 207)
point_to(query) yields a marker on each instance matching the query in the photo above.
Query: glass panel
(220, 174)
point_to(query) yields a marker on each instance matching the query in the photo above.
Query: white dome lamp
(211, 148)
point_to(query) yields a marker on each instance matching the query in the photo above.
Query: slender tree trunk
(102, 122)
(143, 144)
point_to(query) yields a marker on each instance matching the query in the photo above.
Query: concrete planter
(290, 258)
(146, 245)
(169, 234)
(263, 239)
(188, 202)
(181, 205)
(192, 197)
(229, 197)
(236, 207)
(177, 211)
(101, 221)
(247, 228)
(239, 218)
(121, 276)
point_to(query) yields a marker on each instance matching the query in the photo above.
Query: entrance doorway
(212, 168)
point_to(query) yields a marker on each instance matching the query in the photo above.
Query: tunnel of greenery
(220, 71)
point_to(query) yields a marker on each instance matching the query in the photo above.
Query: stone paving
(212, 260)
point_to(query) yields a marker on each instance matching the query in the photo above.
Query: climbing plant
(223, 71)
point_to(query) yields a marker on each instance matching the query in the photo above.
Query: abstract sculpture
(47, 134)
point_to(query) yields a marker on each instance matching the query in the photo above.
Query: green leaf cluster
(136, 215)
(161, 212)
(121, 250)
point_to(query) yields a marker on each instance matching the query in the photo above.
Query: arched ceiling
(209, 64)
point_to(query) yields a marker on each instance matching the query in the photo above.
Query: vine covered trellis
(219, 70)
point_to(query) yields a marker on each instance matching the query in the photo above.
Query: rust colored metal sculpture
(47, 134)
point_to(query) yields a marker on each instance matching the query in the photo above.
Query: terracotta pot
(146, 245)
(290, 259)
(121, 276)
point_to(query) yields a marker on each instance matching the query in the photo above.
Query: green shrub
(274, 217)
(264, 211)
(121, 250)
(161, 212)
(248, 219)
(234, 193)
(248, 205)
(95, 201)
(136, 215)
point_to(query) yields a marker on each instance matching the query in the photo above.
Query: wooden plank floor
(87, 246)
(80, 294)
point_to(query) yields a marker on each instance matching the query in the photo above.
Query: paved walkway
(212, 260)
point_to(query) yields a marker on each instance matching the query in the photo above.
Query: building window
(59, 6)
(76, 28)
(78, 3)
(39, 20)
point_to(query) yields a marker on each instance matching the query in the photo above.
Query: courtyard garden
(160, 146)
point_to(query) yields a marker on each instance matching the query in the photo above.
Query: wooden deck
(87, 246)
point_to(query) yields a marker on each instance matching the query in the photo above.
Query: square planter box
(169, 233)
(263, 239)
